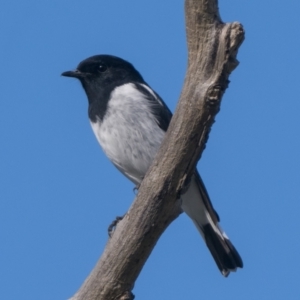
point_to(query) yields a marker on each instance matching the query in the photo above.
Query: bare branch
(212, 47)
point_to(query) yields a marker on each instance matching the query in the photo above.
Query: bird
(129, 120)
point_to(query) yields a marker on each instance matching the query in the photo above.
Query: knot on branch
(214, 96)
(236, 37)
(127, 296)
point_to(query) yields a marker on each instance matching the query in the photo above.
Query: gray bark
(212, 50)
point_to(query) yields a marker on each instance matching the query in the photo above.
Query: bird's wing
(159, 109)
(163, 117)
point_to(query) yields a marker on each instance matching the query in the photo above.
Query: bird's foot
(113, 225)
(136, 188)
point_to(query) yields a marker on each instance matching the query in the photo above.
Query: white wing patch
(152, 93)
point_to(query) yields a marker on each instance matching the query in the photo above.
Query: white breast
(129, 134)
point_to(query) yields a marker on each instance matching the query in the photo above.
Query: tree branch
(212, 48)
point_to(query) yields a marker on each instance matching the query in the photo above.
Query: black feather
(222, 250)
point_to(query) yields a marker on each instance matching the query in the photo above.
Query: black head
(99, 76)
(104, 72)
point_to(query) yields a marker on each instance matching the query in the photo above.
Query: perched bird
(129, 120)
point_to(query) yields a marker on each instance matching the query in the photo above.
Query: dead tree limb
(212, 50)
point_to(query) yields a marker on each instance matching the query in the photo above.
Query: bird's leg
(113, 225)
(136, 188)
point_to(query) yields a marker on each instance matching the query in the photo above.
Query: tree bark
(212, 50)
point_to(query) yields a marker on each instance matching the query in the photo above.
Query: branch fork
(212, 48)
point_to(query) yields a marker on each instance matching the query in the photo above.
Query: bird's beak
(75, 74)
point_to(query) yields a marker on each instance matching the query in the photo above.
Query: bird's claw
(136, 188)
(113, 225)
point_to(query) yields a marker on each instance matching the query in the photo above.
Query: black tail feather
(224, 253)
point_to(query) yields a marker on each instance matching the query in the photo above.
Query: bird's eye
(102, 68)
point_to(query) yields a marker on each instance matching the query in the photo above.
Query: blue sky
(59, 193)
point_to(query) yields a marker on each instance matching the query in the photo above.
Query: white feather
(129, 122)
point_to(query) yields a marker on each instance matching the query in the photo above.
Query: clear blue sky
(59, 192)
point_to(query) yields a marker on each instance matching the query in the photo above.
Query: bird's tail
(197, 205)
